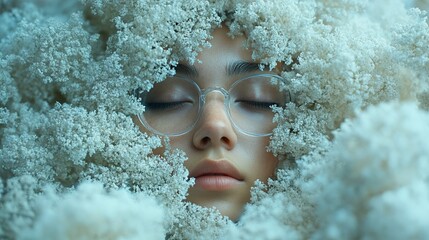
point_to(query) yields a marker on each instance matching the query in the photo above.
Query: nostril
(226, 140)
(205, 141)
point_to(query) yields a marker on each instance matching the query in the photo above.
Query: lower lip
(216, 182)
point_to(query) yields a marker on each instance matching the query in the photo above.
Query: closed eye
(256, 105)
(165, 106)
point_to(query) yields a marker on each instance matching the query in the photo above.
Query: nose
(214, 128)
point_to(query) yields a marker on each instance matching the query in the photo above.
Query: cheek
(180, 142)
(267, 166)
(260, 163)
(157, 151)
(137, 122)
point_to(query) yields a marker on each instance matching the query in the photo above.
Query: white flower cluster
(369, 187)
(90, 212)
(352, 143)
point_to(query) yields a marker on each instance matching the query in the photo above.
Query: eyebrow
(239, 67)
(186, 70)
(234, 68)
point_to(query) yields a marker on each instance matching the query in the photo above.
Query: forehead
(214, 63)
(221, 42)
(224, 48)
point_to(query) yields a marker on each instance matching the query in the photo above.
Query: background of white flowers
(353, 142)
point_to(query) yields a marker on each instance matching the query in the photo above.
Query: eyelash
(258, 105)
(164, 105)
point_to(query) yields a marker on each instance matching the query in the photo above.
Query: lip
(216, 175)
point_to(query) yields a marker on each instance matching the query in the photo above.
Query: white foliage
(352, 167)
(91, 213)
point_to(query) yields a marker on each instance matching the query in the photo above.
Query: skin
(214, 138)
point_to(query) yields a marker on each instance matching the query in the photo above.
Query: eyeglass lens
(173, 106)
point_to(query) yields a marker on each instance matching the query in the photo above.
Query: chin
(226, 208)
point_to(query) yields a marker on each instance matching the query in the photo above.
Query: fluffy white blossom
(369, 186)
(91, 213)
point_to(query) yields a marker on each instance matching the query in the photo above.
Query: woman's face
(224, 162)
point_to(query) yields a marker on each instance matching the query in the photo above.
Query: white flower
(90, 212)
(375, 176)
(67, 69)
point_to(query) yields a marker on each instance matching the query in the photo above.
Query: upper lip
(216, 167)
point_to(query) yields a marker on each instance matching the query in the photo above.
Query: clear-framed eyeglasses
(174, 106)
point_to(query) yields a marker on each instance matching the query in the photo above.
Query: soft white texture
(367, 187)
(90, 212)
(352, 166)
